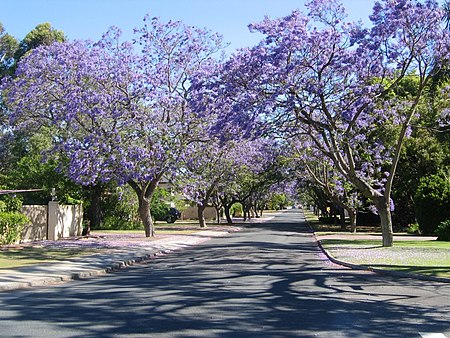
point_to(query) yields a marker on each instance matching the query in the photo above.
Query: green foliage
(236, 210)
(8, 46)
(42, 34)
(11, 220)
(278, 202)
(113, 222)
(432, 202)
(119, 210)
(10, 203)
(413, 229)
(422, 155)
(27, 168)
(11, 226)
(443, 231)
(159, 207)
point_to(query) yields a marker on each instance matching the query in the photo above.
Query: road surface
(269, 280)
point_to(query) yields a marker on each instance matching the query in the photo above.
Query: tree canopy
(343, 95)
(329, 81)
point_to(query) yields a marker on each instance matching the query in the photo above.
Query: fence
(52, 221)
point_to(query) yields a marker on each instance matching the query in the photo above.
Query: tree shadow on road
(276, 286)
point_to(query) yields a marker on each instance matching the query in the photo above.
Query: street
(269, 280)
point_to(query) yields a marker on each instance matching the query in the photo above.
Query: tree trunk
(146, 217)
(334, 215)
(144, 194)
(352, 214)
(384, 212)
(255, 210)
(342, 217)
(201, 214)
(226, 209)
(217, 214)
(94, 213)
(246, 211)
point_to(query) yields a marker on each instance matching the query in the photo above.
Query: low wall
(192, 213)
(52, 221)
(64, 220)
(37, 230)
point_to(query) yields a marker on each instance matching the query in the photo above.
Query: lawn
(424, 257)
(420, 255)
(12, 257)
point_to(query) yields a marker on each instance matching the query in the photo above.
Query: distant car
(172, 215)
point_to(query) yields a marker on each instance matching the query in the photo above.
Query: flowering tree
(208, 166)
(331, 81)
(222, 169)
(321, 174)
(120, 115)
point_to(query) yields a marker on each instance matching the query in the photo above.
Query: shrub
(158, 206)
(432, 202)
(413, 229)
(443, 231)
(236, 210)
(11, 203)
(117, 223)
(11, 226)
(119, 210)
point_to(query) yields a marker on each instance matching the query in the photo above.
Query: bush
(413, 229)
(158, 206)
(10, 203)
(117, 223)
(11, 226)
(432, 202)
(119, 210)
(236, 210)
(443, 231)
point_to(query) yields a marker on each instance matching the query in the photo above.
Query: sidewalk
(114, 258)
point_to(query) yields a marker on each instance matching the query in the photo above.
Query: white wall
(52, 222)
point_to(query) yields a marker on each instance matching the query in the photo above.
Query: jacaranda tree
(119, 109)
(331, 81)
(215, 167)
(317, 171)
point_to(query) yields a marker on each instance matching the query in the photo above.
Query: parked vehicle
(172, 215)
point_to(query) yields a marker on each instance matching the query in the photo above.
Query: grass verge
(13, 257)
(409, 254)
(430, 258)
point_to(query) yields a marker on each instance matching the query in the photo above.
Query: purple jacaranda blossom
(331, 82)
(118, 109)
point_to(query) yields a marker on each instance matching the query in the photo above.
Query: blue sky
(89, 19)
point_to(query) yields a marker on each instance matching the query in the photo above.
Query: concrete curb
(392, 273)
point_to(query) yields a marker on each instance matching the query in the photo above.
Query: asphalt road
(269, 280)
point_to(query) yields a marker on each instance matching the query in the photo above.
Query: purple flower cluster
(119, 112)
(163, 105)
(328, 84)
